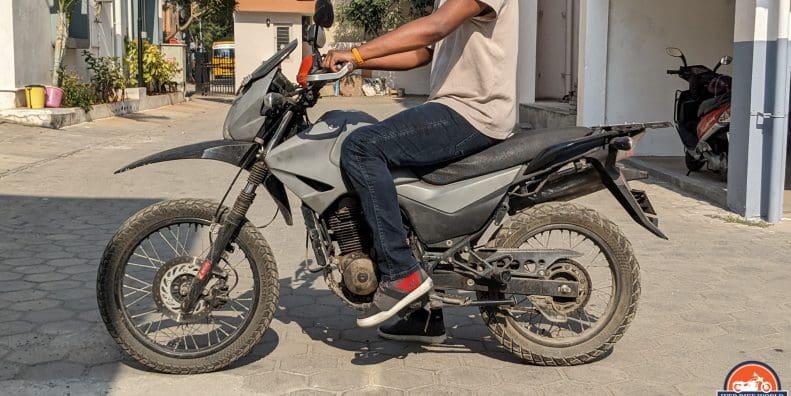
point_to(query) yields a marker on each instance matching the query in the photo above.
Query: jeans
(426, 135)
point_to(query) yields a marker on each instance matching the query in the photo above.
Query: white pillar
(528, 34)
(594, 36)
(7, 69)
(759, 127)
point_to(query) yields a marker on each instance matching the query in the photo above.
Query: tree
(196, 9)
(375, 17)
(65, 8)
(211, 31)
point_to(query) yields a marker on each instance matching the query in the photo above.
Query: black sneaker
(418, 326)
(393, 296)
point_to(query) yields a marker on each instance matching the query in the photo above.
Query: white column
(7, 70)
(594, 35)
(528, 34)
(759, 127)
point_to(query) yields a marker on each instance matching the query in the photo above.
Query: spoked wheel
(146, 271)
(567, 331)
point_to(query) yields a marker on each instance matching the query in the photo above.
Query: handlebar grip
(674, 72)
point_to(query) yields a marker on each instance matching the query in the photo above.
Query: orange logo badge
(752, 379)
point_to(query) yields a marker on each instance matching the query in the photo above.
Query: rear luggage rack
(634, 127)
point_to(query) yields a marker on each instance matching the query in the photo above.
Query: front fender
(239, 154)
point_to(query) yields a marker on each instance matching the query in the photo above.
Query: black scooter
(703, 114)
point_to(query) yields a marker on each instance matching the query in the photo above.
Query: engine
(353, 238)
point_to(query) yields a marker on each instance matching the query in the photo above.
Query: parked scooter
(703, 114)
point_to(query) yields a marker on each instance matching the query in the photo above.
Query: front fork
(229, 229)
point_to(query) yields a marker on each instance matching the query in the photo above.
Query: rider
(472, 48)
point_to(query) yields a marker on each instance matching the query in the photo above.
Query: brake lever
(343, 72)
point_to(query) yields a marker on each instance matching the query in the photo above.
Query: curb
(63, 117)
(709, 192)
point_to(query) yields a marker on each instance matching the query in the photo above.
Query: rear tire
(514, 337)
(122, 246)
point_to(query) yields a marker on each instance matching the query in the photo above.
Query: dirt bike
(703, 114)
(190, 286)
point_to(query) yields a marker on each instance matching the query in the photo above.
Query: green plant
(107, 77)
(75, 92)
(212, 11)
(158, 71)
(374, 17)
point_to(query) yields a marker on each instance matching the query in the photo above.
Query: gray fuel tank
(314, 156)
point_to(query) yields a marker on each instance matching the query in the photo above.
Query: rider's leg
(425, 135)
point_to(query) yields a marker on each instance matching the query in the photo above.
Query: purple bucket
(54, 97)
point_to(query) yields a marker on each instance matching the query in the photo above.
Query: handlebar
(674, 72)
(343, 72)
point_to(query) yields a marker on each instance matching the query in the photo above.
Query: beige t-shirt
(474, 69)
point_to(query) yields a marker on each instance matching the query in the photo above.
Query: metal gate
(214, 75)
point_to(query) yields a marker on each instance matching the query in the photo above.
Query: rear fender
(642, 212)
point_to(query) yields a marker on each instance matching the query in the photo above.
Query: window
(80, 27)
(224, 53)
(79, 34)
(283, 37)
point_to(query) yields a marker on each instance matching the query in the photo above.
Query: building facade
(612, 54)
(263, 27)
(27, 36)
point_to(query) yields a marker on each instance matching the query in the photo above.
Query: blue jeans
(426, 135)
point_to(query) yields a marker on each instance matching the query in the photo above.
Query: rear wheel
(608, 278)
(144, 276)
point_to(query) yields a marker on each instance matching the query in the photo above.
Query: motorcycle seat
(522, 147)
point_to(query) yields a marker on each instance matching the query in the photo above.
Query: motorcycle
(703, 114)
(754, 384)
(190, 286)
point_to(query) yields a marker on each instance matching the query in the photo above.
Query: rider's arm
(415, 35)
(403, 61)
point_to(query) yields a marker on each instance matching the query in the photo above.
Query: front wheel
(578, 330)
(146, 271)
(693, 164)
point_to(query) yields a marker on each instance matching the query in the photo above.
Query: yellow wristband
(357, 57)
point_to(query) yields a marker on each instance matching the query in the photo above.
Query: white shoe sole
(379, 318)
(413, 338)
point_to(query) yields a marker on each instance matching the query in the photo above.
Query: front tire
(131, 246)
(539, 348)
(693, 164)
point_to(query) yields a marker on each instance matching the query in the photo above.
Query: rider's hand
(335, 59)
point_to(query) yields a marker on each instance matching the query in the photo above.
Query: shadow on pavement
(217, 99)
(142, 117)
(49, 253)
(323, 317)
(50, 328)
